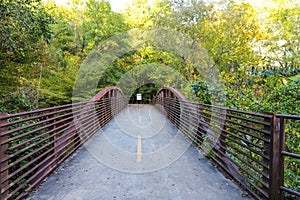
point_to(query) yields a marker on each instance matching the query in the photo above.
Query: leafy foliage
(25, 31)
(42, 46)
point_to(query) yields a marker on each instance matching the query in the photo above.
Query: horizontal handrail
(288, 168)
(245, 144)
(34, 143)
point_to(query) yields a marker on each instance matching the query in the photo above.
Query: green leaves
(23, 24)
(229, 31)
(100, 22)
(24, 32)
(283, 25)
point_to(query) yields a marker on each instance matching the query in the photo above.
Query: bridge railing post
(273, 152)
(3, 154)
(281, 164)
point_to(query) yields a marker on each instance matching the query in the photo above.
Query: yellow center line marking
(140, 119)
(139, 149)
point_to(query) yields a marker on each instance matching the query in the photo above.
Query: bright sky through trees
(118, 5)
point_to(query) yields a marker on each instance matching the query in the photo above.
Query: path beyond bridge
(134, 156)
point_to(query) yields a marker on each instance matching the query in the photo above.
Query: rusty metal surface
(105, 91)
(34, 143)
(286, 153)
(247, 147)
(85, 176)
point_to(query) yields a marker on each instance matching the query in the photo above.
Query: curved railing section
(248, 146)
(252, 147)
(109, 102)
(181, 112)
(34, 143)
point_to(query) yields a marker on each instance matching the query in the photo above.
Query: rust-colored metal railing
(34, 143)
(289, 155)
(248, 146)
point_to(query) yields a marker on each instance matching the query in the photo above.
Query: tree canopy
(255, 49)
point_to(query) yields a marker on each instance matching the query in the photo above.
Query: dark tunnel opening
(148, 91)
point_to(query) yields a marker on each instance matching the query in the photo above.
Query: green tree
(138, 14)
(79, 29)
(283, 24)
(100, 22)
(24, 35)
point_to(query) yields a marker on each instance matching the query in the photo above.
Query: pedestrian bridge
(172, 149)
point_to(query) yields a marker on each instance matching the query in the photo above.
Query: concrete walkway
(138, 155)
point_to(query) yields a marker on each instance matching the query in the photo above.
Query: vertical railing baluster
(274, 151)
(3, 154)
(267, 151)
(281, 148)
(223, 144)
(54, 137)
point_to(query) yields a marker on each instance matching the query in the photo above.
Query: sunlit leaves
(23, 24)
(283, 47)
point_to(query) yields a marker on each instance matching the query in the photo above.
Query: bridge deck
(138, 155)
